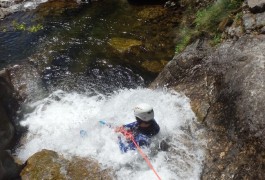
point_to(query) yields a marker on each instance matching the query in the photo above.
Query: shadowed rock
(226, 88)
(8, 107)
(256, 6)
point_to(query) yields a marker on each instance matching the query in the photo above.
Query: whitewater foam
(56, 121)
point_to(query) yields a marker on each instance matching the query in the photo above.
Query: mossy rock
(122, 44)
(152, 12)
(154, 66)
(47, 164)
(56, 7)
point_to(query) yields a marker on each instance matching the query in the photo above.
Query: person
(142, 130)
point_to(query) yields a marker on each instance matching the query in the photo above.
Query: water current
(83, 80)
(57, 120)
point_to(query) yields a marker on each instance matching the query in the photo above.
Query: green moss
(206, 22)
(186, 36)
(208, 19)
(238, 17)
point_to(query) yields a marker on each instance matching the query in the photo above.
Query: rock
(122, 44)
(152, 13)
(4, 12)
(6, 129)
(256, 6)
(154, 66)
(27, 81)
(235, 30)
(260, 20)
(5, 3)
(8, 168)
(249, 21)
(262, 31)
(48, 164)
(55, 7)
(226, 88)
(8, 106)
(180, 74)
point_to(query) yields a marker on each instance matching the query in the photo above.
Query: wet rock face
(8, 169)
(8, 108)
(241, 66)
(226, 87)
(48, 164)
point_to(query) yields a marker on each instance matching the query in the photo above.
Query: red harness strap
(129, 135)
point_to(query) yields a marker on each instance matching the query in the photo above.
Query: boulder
(256, 6)
(27, 81)
(55, 7)
(152, 12)
(226, 88)
(154, 66)
(48, 164)
(122, 44)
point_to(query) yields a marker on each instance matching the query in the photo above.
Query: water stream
(57, 120)
(83, 80)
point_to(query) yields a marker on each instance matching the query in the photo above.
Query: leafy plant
(18, 26)
(35, 28)
(216, 39)
(23, 27)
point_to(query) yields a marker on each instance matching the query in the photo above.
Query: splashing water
(56, 121)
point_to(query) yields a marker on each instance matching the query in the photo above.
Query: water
(56, 122)
(74, 40)
(83, 80)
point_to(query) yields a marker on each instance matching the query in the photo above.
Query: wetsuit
(142, 136)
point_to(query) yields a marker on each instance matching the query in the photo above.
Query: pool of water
(76, 40)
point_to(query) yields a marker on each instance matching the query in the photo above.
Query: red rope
(129, 135)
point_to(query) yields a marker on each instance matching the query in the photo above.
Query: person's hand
(118, 129)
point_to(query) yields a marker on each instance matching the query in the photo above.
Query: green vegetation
(206, 22)
(23, 27)
(17, 26)
(35, 28)
(216, 39)
(186, 36)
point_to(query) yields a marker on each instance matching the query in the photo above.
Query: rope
(129, 135)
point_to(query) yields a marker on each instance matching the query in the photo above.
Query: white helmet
(144, 112)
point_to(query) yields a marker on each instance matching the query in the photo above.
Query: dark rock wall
(8, 107)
